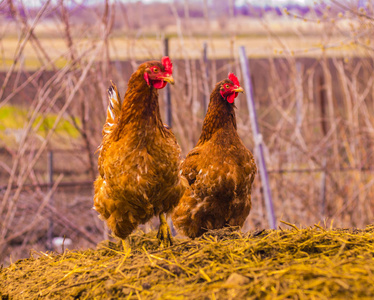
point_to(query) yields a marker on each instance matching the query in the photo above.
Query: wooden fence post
(169, 116)
(323, 189)
(51, 202)
(322, 103)
(167, 98)
(257, 137)
(299, 96)
(206, 75)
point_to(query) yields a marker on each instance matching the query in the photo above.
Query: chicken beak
(239, 90)
(169, 79)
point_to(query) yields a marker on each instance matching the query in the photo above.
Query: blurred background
(312, 74)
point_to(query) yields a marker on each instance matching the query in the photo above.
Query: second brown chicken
(220, 170)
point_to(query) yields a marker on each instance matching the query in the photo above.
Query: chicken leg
(164, 233)
(126, 245)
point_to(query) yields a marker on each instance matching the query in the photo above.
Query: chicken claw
(164, 233)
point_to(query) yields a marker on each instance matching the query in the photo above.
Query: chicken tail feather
(114, 109)
(115, 104)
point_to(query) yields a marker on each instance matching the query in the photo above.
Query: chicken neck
(140, 106)
(220, 115)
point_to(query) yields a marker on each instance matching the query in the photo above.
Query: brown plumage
(220, 170)
(139, 161)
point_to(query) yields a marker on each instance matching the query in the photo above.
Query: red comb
(234, 79)
(167, 64)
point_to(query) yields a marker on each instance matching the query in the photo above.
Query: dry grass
(309, 263)
(315, 114)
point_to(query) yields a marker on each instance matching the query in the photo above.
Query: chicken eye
(227, 86)
(155, 70)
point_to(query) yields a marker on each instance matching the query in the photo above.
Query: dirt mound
(224, 264)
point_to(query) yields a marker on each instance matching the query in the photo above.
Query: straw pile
(310, 263)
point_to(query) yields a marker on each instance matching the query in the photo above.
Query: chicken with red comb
(139, 161)
(220, 170)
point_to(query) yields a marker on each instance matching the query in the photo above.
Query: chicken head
(159, 74)
(230, 88)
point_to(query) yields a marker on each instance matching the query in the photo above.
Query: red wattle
(231, 97)
(159, 84)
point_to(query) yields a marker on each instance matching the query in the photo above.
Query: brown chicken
(139, 161)
(220, 170)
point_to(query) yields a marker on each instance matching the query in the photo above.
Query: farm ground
(309, 263)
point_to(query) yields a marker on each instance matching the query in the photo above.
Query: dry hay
(312, 263)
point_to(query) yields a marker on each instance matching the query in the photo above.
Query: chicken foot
(126, 245)
(164, 233)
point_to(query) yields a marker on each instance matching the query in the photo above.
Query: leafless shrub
(315, 112)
